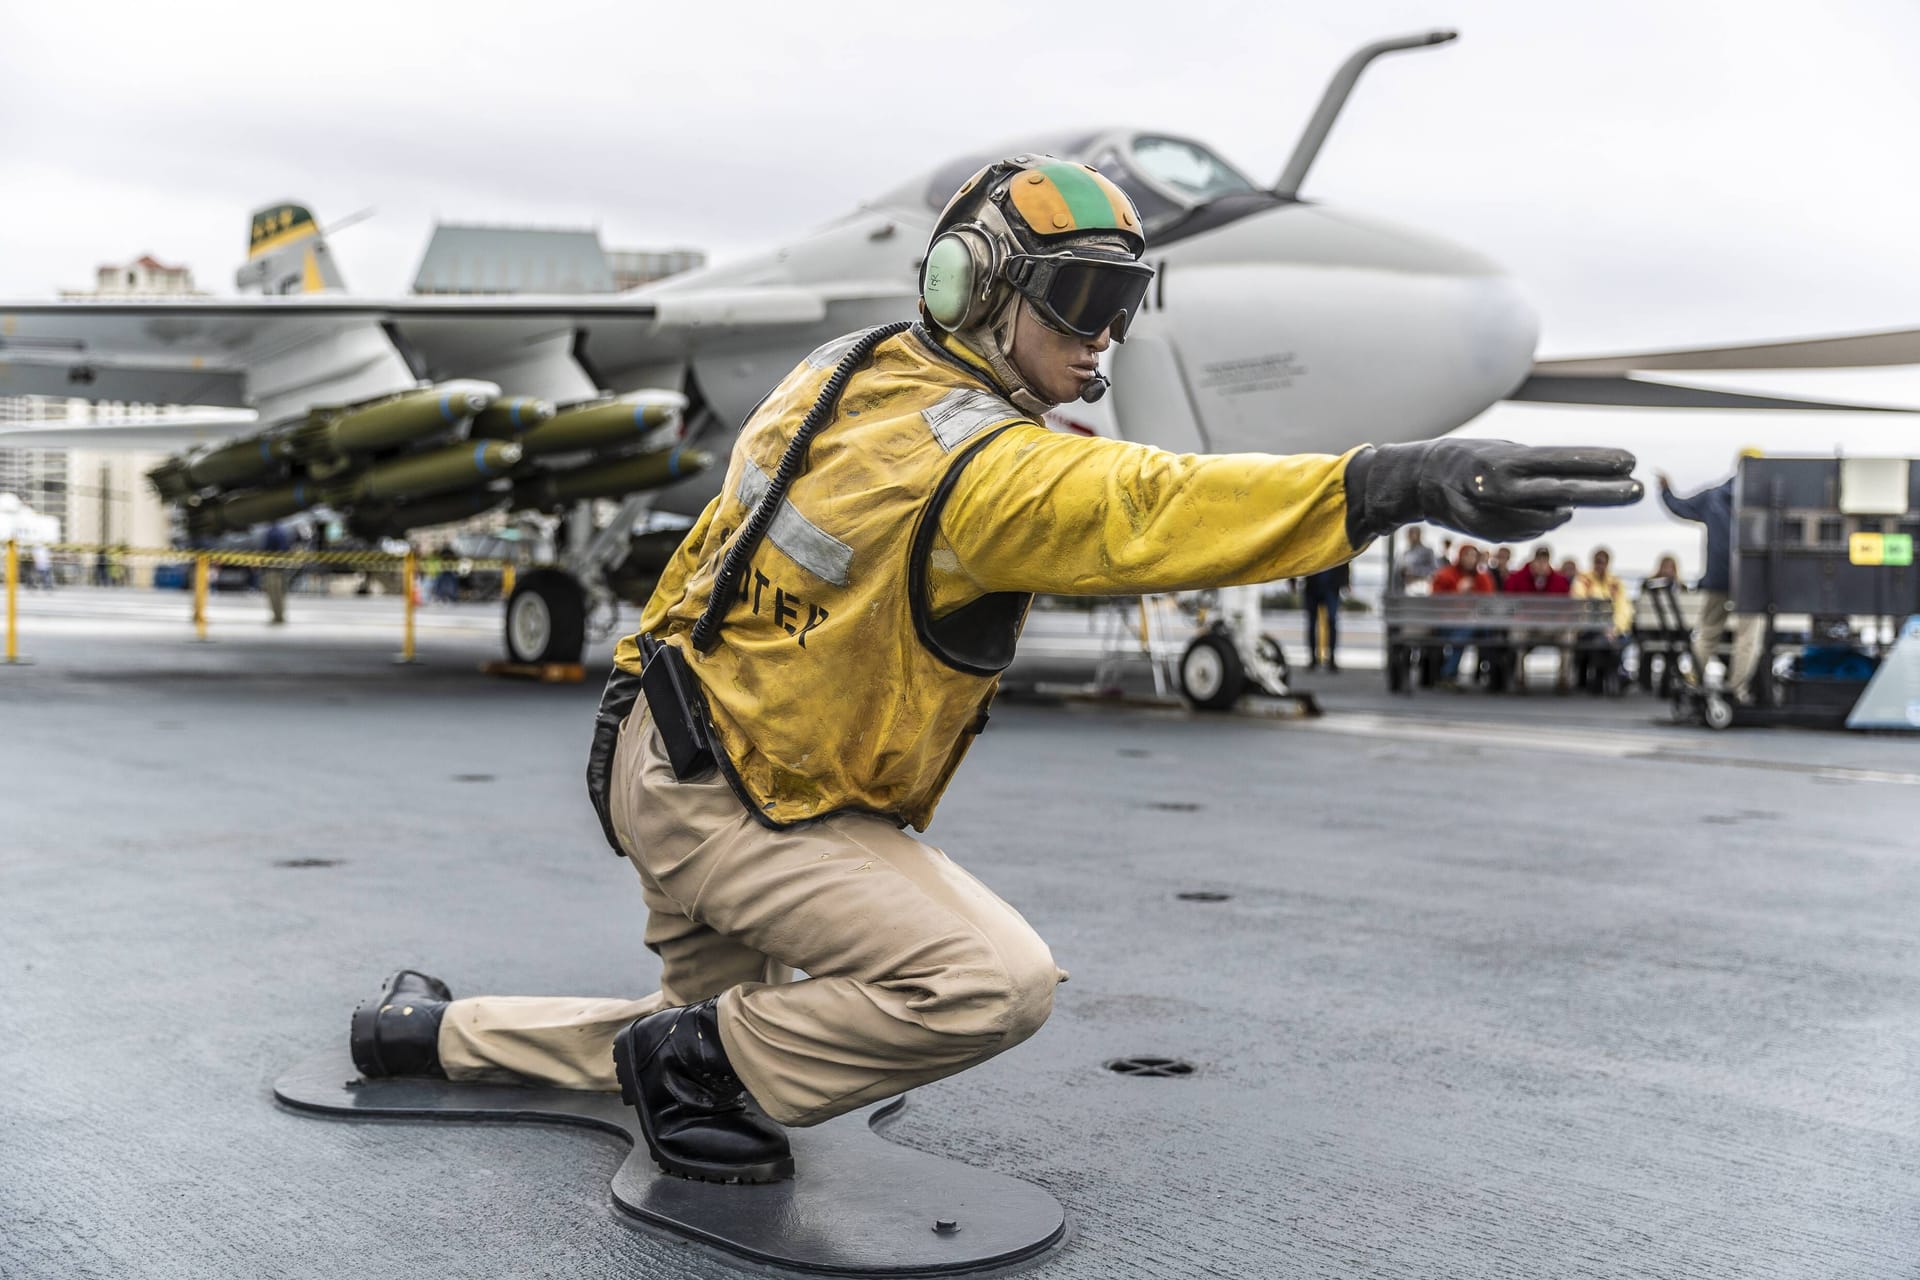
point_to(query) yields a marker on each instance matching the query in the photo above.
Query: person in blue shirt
(1713, 508)
(1320, 596)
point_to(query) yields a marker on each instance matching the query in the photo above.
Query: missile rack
(429, 456)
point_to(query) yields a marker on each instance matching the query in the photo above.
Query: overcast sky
(1655, 174)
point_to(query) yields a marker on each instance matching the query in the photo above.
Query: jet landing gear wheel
(546, 618)
(1212, 677)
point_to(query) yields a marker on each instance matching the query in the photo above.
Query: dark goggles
(1080, 295)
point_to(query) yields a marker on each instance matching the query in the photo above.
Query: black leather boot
(693, 1110)
(397, 1033)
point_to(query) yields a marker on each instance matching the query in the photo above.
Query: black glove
(1492, 489)
(623, 690)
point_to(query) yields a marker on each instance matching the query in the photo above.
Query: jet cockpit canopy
(1167, 177)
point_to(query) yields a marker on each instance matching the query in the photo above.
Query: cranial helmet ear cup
(947, 284)
(959, 270)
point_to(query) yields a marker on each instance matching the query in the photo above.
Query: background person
(1320, 596)
(1499, 566)
(273, 578)
(1416, 562)
(1712, 508)
(1538, 577)
(1665, 575)
(444, 574)
(1598, 664)
(1462, 576)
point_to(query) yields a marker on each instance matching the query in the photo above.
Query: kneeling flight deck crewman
(823, 648)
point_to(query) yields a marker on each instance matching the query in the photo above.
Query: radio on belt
(679, 712)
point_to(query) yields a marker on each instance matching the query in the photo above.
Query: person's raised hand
(1492, 489)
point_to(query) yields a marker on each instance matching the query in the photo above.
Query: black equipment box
(1798, 536)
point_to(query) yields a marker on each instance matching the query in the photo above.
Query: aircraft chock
(859, 1205)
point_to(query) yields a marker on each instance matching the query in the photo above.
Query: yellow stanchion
(407, 588)
(200, 596)
(13, 600)
(507, 579)
(203, 564)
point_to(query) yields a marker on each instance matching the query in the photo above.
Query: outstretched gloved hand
(1492, 489)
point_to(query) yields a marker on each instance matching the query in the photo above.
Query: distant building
(96, 495)
(464, 259)
(37, 478)
(144, 277)
(634, 267)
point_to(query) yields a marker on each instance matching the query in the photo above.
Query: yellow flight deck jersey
(868, 637)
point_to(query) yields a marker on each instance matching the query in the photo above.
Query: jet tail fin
(287, 254)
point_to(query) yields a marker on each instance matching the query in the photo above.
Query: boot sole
(365, 1040)
(365, 1031)
(752, 1174)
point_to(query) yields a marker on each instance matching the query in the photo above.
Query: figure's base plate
(858, 1205)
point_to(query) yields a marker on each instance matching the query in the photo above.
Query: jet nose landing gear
(1233, 657)
(546, 618)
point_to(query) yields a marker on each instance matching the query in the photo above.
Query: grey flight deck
(1510, 988)
(858, 1205)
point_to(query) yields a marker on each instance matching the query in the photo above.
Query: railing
(205, 560)
(1499, 627)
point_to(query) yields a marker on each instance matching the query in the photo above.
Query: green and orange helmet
(1057, 233)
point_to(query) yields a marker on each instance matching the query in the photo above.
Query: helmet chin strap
(993, 342)
(995, 345)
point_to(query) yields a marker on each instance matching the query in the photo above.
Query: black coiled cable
(740, 554)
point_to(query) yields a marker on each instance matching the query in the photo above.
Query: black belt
(673, 695)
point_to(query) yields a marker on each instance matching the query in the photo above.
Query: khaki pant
(916, 969)
(1749, 632)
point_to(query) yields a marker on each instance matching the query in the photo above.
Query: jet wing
(147, 431)
(281, 354)
(1619, 390)
(153, 350)
(1845, 351)
(1616, 380)
(60, 371)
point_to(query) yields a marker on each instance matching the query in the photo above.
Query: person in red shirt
(1538, 576)
(1464, 574)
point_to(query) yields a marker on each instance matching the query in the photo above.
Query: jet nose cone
(1306, 329)
(1500, 330)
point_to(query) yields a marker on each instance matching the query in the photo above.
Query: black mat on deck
(859, 1205)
